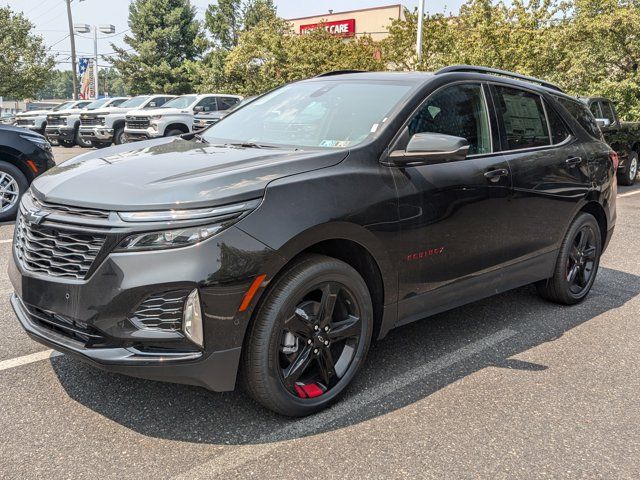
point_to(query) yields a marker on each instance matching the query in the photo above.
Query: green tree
(227, 19)
(25, 65)
(165, 36)
(59, 85)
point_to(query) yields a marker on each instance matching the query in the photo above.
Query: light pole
(420, 26)
(85, 28)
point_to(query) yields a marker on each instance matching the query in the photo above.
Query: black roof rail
(337, 72)
(495, 71)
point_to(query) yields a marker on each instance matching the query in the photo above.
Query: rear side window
(607, 112)
(595, 109)
(458, 110)
(523, 118)
(559, 130)
(225, 103)
(583, 116)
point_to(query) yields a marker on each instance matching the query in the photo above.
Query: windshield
(134, 102)
(62, 106)
(97, 103)
(332, 114)
(180, 102)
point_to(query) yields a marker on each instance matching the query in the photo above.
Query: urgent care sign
(343, 28)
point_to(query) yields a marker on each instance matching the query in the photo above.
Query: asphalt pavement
(508, 387)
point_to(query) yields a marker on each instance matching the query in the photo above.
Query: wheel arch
(596, 210)
(176, 126)
(8, 155)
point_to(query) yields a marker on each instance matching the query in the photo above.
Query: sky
(50, 19)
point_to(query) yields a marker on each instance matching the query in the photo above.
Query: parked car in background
(174, 118)
(105, 126)
(62, 125)
(623, 137)
(36, 120)
(279, 242)
(225, 105)
(8, 119)
(23, 156)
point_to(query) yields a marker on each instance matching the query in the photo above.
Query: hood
(32, 113)
(19, 130)
(159, 111)
(107, 110)
(171, 172)
(71, 111)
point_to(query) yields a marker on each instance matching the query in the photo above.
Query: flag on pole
(87, 89)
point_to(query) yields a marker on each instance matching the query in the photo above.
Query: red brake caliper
(311, 390)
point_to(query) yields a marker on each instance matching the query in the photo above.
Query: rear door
(550, 171)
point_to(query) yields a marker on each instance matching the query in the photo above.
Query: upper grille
(161, 311)
(56, 120)
(25, 121)
(137, 123)
(91, 120)
(73, 329)
(54, 251)
(68, 210)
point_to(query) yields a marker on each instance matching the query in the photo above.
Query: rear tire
(297, 360)
(13, 184)
(100, 144)
(628, 178)
(577, 264)
(66, 143)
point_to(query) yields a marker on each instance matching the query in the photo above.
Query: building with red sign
(368, 21)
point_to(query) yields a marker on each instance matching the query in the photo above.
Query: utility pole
(95, 60)
(419, 39)
(74, 66)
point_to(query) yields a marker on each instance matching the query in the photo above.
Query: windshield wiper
(248, 145)
(200, 138)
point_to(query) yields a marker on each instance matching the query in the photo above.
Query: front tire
(577, 263)
(173, 133)
(628, 178)
(118, 136)
(81, 142)
(13, 184)
(309, 337)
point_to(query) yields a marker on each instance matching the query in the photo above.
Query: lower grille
(161, 311)
(54, 251)
(56, 121)
(73, 329)
(25, 122)
(137, 123)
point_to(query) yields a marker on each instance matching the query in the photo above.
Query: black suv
(285, 238)
(23, 156)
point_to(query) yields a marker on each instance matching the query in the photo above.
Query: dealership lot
(509, 387)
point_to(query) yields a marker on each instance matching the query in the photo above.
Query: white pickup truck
(36, 120)
(64, 126)
(105, 126)
(175, 118)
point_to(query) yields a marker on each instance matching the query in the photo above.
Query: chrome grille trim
(56, 121)
(161, 311)
(91, 121)
(54, 251)
(66, 209)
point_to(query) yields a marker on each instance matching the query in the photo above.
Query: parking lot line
(628, 194)
(8, 240)
(216, 467)
(27, 359)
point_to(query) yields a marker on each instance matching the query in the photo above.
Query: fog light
(192, 318)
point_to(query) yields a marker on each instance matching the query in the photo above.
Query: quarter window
(523, 118)
(559, 130)
(583, 116)
(458, 110)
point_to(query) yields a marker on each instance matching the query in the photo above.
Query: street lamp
(419, 36)
(86, 28)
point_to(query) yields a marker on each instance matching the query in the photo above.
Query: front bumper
(105, 301)
(60, 133)
(97, 134)
(134, 135)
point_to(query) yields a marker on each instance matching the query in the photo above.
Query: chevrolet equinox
(276, 244)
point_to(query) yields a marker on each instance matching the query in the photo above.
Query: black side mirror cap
(427, 148)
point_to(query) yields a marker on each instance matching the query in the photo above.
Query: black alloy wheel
(577, 263)
(309, 338)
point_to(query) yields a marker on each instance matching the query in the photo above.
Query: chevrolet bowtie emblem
(36, 217)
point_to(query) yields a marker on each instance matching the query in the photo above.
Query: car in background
(7, 119)
(174, 118)
(105, 126)
(226, 105)
(61, 124)
(23, 156)
(36, 120)
(623, 137)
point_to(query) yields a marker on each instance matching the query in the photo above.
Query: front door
(454, 215)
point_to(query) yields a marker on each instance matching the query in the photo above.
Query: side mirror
(198, 109)
(603, 122)
(152, 104)
(426, 148)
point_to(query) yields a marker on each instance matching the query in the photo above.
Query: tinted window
(118, 102)
(208, 104)
(225, 103)
(583, 116)
(523, 118)
(607, 112)
(595, 109)
(458, 110)
(559, 130)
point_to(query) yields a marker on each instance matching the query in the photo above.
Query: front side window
(135, 101)
(316, 113)
(208, 104)
(458, 110)
(596, 110)
(181, 102)
(523, 118)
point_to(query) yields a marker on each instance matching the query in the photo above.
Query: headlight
(190, 214)
(38, 142)
(181, 237)
(156, 117)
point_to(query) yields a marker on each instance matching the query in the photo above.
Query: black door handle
(495, 175)
(573, 161)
